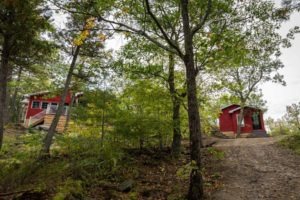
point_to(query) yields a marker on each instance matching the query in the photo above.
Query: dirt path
(258, 169)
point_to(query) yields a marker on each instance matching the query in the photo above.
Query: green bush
(78, 159)
(71, 189)
(292, 142)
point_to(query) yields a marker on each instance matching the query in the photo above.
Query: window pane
(53, 108)
(35, 104)
(44, 105)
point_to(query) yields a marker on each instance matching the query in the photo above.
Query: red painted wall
(228, 121)
(43, 98)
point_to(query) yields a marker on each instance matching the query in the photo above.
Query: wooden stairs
(37, 119)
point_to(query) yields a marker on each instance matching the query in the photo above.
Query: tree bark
(15, 107)
(196, 181)
(102, 126)
(240, 119)
(69, 112)
(49, 137)
(4, 72)
(176, 143)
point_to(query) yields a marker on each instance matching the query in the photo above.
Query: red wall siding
(226, 120)
(43, 98)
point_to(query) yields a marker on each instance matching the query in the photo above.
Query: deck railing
(39, 116)
(51, 110)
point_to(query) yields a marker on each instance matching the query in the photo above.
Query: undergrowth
(292, 142)
(83, 167)
(76, 163)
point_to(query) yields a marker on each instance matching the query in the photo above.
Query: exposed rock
(126, 186)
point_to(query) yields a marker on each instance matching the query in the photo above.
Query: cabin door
(256, 121)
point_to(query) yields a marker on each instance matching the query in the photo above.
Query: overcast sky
(277, 96)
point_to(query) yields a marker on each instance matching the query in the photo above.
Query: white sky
(277, 96)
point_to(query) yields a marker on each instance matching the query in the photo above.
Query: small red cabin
(252, 124)
(40, 108)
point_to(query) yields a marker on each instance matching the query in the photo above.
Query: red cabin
(252, 123)
(40, 108)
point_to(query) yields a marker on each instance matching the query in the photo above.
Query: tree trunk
(4, 72)
(102, 127)
(196, 181)
(240, 119)
(15, 107)
(176, 143)
(141, 142)
(69, 112)
(49, 137)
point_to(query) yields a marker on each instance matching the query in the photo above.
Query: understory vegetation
(292, 142)
(81, 167)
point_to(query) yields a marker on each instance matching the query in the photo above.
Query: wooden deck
(61, 124)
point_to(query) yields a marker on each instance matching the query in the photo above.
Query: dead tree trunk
(49, 137)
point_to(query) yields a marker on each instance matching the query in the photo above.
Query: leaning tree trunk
(176, 143)
(49, 137)
(69, 112)
(4, 72)
(196, 181)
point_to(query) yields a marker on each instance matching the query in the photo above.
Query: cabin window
(52, 108)
(44, 105)
(242, 122)
(35, 104)
(53, 105)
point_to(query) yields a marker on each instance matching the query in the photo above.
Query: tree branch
(204, 19)
(138, 32)
(169, 41)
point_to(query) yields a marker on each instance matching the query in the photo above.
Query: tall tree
(79, 38)
(77, 45)
(21, 23)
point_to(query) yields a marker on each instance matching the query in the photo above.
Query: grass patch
(76, 164)
(292, 142)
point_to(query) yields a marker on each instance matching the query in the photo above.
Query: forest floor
(258, 168)
(80, 169)
(234, 169)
